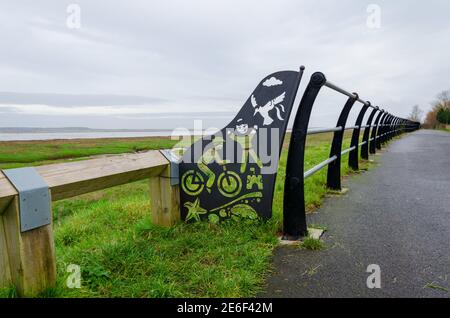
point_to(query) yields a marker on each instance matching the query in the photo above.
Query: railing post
(366, 136)
(294, 218)
(165, 199)
(334, 168)
(27, 258)
(380, 130)
(392, 128)
(373, 141)
(387, 122)
(404, 126)
(385, 130)
(392, 131)
(353, 158)
(400, 127)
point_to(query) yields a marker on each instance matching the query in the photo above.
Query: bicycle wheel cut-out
(229, 184)
(192, 183)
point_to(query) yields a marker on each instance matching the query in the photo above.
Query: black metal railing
(381, 126)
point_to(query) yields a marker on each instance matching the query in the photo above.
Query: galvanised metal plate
(34, 197)
(174, 166)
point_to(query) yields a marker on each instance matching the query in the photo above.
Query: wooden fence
(27, 259)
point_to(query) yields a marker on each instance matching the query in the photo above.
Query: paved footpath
(397, 215)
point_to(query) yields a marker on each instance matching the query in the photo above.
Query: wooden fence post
(165, 199)
(27, 259)
(5, 272)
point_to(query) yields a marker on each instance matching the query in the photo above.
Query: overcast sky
(162, 64)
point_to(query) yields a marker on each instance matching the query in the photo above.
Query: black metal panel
(366, 136)
(232, 173)
(294, 219)
(334, 168)
(353, 158)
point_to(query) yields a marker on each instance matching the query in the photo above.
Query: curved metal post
(399, 123)
(373, 141)
(400, 127)
(380, 130)
(396, 125)
(353, 158)
(403, 127)
(389, 130)
(334, 168)
(385, 129)
(393, 128)
(294, 218)
(366, 136)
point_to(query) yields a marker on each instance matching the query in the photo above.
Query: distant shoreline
(71, 133)
(79, 135)
(47, 134)
(49, 130)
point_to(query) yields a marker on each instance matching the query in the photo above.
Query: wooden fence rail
(27, 259)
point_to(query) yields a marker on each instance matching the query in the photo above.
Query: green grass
(312, 244)
(122, 254)
(25, 153)
(433, 285)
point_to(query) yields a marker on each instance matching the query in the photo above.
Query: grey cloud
(68, 100)
(217, 51)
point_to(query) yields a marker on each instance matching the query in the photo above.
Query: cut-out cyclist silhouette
(243, 135)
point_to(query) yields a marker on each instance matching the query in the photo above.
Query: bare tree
(431, 119)
(442, 100)
(416, 114)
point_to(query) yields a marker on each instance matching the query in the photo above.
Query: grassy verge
(25, 153)
(122, 254)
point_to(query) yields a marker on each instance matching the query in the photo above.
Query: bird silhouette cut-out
(264, 110)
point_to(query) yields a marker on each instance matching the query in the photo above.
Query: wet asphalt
(396, 215)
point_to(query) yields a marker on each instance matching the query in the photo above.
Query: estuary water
(79, 135)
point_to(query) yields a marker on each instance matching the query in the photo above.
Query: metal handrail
(346, 93)
(323, 130)
(381, 127)
(346, 151)
(317, 131)
(319, 167)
